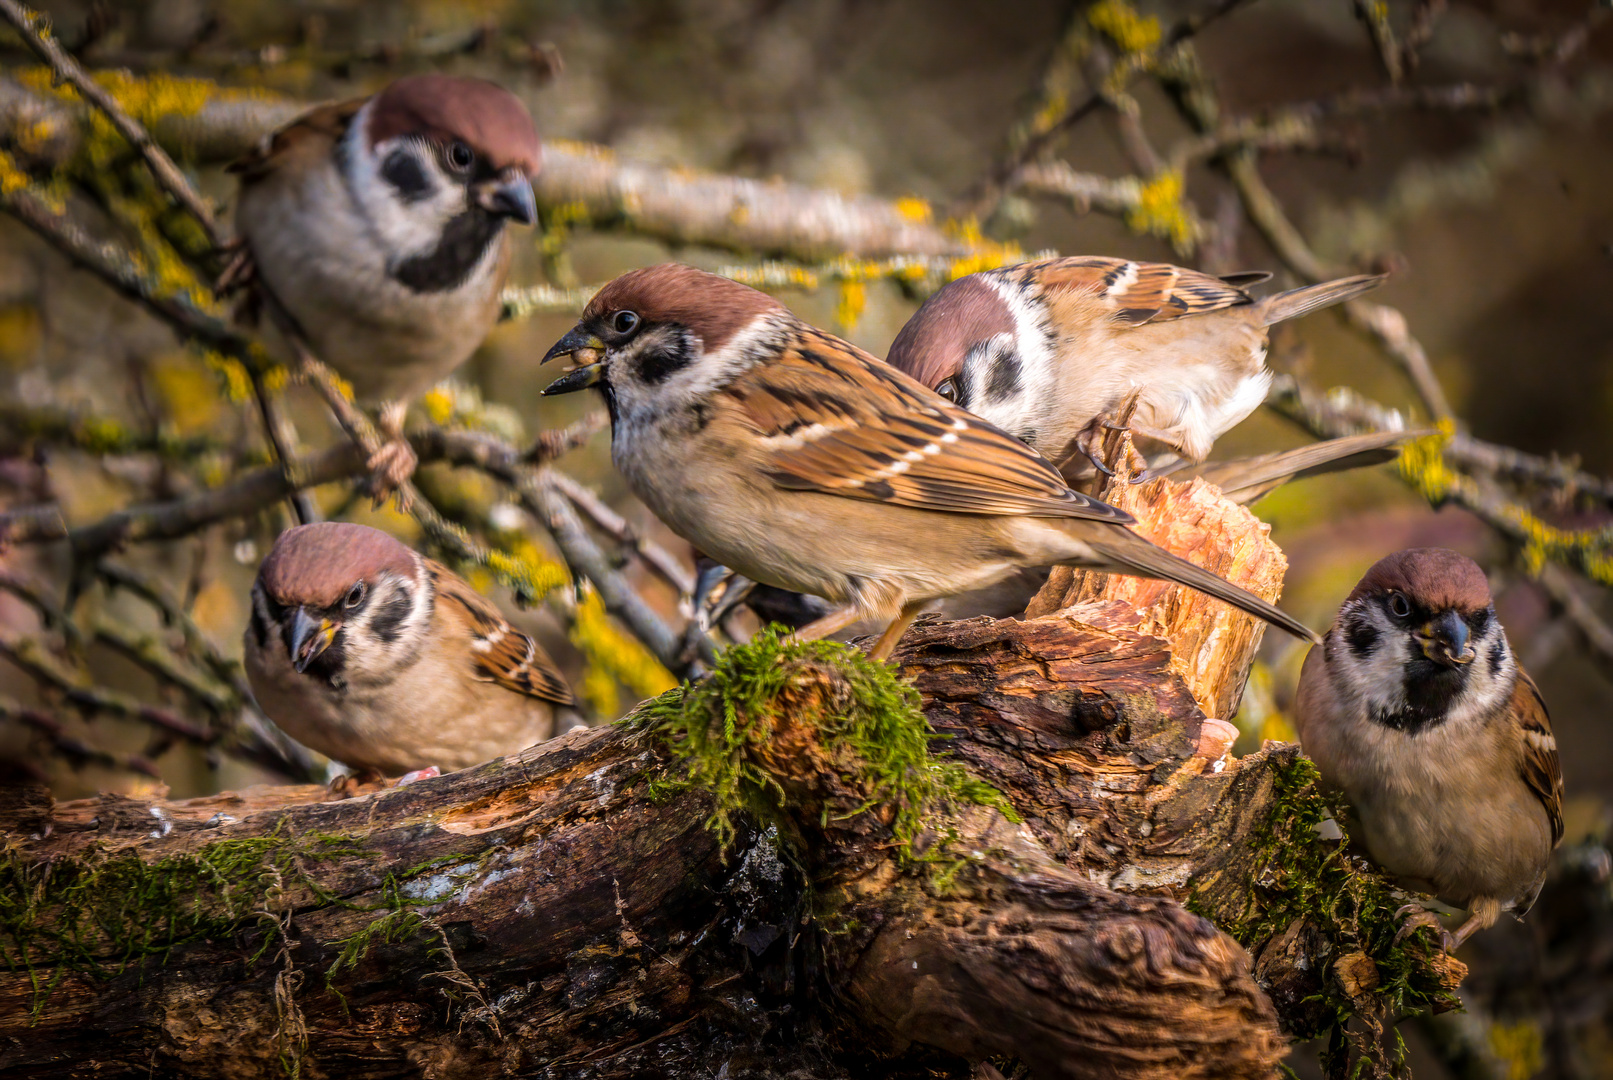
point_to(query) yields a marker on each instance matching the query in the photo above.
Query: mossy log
(785, 870)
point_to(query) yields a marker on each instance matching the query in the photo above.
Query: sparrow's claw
(1090, 443)
(390, 467)
(1415, 916)
(394, 462)
(419, 774)
(348, 785)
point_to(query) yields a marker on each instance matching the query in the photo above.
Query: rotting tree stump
(571, 911)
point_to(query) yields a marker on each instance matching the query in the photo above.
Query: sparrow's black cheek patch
(1498, 656)
(1362, 636)
(403, 171)
(1003, 379)
(459, 250)
(658, 363)
(387, 623)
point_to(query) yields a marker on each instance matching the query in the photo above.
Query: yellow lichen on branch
(613, 657)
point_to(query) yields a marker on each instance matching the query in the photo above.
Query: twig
(35, 661)
(1375, 14)
(148, 653)
(282, 438)
(78, 752)
(653, 555)
(1592, 630)
(31, 525)
(38, 597)
(174, 614)
(552, 445)
(1004, 175)
(67, 69)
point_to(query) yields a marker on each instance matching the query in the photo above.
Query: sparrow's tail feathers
(1134, 555)
(1245, 479)
(1296, 302)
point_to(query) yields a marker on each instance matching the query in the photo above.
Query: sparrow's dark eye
(624, 322)
(459, 157)
(355, 595)
(948, 388)
(1399, 606)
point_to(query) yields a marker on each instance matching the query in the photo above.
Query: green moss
(717, 726)
(1299, 874)
(99, 914)
(397, 925)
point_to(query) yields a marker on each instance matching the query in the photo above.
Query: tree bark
(571, 912)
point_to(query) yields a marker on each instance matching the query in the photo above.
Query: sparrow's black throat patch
(459, 251)
(1430, 690)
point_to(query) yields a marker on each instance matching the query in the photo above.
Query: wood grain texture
(1212, 644)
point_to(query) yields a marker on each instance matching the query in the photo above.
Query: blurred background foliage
(1467, 145)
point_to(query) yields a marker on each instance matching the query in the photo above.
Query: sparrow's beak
(1444, 640)
(584, 350)
(309, 638)
(508, 196)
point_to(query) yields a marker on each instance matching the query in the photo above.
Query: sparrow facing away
(804, 463)
(386, 661)
(1048, 350)
(1416, 709)
(377, 227)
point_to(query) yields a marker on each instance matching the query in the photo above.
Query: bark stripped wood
(1212, 643)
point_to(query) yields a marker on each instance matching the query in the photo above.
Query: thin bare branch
(1592, 630)
(77, 752)
(28, 23)
(653, 555)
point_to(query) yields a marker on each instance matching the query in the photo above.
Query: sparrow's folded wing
(499, 653)
(833, 419)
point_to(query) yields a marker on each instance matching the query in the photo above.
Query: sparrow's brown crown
(315, 565)
(483, 115)
(710, 306)
(935, 341)
(1435, 578)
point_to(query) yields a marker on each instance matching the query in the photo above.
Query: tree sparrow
(804, 463)
(376, 227)
(1048, 350)
(1415, 708)
(718, 590)
(382, 659)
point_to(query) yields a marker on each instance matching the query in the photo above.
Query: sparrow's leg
(893, 633)
(717, 592)
(838, 619)
(393, 463)
(1482, 914)
(1414, 916)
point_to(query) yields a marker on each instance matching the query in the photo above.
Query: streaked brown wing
(501, 654)
(321, 126)
(1541, 768)
(838, 421)
(1142, 292)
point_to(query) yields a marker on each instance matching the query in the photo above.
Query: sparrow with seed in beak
(1416, 709)
(386, 661)
(804, 463)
